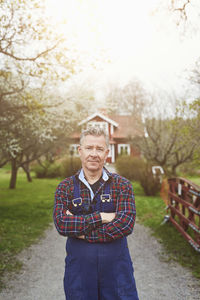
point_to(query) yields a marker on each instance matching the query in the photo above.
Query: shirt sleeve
(74, 225)
(123, 223)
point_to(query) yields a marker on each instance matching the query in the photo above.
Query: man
(96, 211)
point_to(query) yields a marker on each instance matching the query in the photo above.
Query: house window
(110, 151)
(124, 149)
(103, 125)
(74, 148)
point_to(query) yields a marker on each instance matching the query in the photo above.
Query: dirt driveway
(42, 275)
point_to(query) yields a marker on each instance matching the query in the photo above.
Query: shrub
(137, 169)
(47, 170)
(53, 171)
(40, 171)
(128, 166)
(63, 168)
(151, 184)
(189, 169)
(69, 166)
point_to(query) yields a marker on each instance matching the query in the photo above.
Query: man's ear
(79, 149)
(107, 152)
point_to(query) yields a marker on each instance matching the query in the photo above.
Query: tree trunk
(174, 171)
(14, 170)
(27, 171)
(28, 175)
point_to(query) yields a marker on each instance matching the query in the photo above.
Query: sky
(117, 40)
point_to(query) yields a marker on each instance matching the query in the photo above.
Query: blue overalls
(98, 271)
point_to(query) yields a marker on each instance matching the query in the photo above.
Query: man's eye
(100, 149)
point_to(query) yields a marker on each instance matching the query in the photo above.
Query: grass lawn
(194, 179)
(151, 212)
(24, 213)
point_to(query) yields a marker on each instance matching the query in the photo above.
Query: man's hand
(68, 213)
(107, 217)
(81, 237)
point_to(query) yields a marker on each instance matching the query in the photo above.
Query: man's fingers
(81, 237)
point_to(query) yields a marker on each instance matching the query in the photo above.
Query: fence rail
(184, 206)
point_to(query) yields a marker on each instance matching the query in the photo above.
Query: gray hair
(95, 131)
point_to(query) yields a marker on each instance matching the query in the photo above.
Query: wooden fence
(184, 206)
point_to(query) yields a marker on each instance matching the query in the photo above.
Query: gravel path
(42, 274)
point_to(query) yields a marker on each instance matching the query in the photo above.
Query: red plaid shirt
(91, 225)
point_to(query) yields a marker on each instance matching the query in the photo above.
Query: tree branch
(29, 58)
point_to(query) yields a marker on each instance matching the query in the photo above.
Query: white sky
(126, 38)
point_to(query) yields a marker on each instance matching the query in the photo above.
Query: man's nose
(93, 152)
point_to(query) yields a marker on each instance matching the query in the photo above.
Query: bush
(64, 168)
(40, 172)
(137, 169)
(189, 169)
(53, 171)
(69, 166)
(151, 184)
(128, 166)
(47, 170)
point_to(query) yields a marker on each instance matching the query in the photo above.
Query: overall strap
(107, 187)
(98, 201)
(101, 202)
(76, 187)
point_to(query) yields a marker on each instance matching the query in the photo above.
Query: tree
(194, 127)
(130, 99)
(183, 8)
(168, 142)
(30, 57)
(40, 131)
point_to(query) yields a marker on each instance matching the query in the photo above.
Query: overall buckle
(77, 202)
(105, 198)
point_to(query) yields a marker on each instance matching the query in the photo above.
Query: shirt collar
(105, 177)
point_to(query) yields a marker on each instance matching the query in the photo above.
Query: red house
(120, 129)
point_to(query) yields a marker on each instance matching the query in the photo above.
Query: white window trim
(113, 153)
(119, 146)
(75, 148)
(111, 129)
(110, 151)
(98, 124)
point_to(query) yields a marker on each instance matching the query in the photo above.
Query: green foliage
(64, 168)
(138, 169)
(170, 142)
(150, 212)
(40, 171)
(150, 183)
(128, 167)
(189, 169)
(31, 117)
(194, 179)
(53, 171)
(47, 170)
(69, 166)
(24, 214)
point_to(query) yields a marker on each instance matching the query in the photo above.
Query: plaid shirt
(90, 225)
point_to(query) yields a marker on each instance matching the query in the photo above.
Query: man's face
(93, 152)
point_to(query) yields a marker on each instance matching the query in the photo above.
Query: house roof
(129, 126)
(125, 126)
(101, 116)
